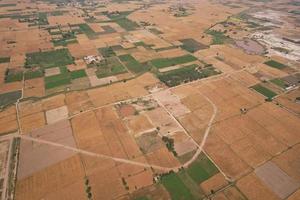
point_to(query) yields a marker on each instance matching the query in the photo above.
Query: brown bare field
(107, 184)
(34, 87)
(156, 192)
(125, 110)
(214, 183)
(233, 194)
(276, 180)
(221, 153)
(77, 102)
(253, 188)
(56, 114)
(32, 122)
(35, 157)
(162, 157)
(51, 179)
(127, 170)
(87, 131)
(288, 100)
(160, 118)
(139, 124)
(295, 196)
(8, 120)
(289, 162)
(9, 87)
(140, 180)
(64, 20)
(53, 102)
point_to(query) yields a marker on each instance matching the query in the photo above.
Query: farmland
(149, 100)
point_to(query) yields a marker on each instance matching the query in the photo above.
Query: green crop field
(192, 45)
(87, 30)
(275, 64)
(127, 24)
(4, 59)
(10, 97)
(185, 74)
(264, 91)
(167, 62)
(218, 37)
(64, 78)
(201, 169)
(111, 66)
(176, 188)
(47, 59)
(106, 52)
(31, 74)
(78, 74)
(132, 64)
(13, 76)
(279, 82)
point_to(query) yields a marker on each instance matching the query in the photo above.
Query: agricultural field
(149, 100)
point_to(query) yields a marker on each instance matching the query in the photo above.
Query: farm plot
(186, 74)
(185, 183)
(277, 180)
(275, 64)
(67, 180)
(8, 120)
(192, 45)
(49, 59)
(9, 97)
(264, 91)
(34, 158)
(132, 64)
(63, 78)
(201, 169)
(121, 19)
(110, 66)
(167, 62)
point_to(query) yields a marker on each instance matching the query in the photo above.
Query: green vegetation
(279, 82)
(47, 59)
(169, 144)
(90, 33)
(194, 188)
(121, 19)
(141, 43)
(167, 62)
(201, 169)
(56, 80)
(10, 97)
(127, 24)
(107, 52)
(132, 64)
(67, 38)
(264, 91)
(176, 188)
(63, 42)
(13, 76)
(78, 74)
(192, 45)
(64, 78)
(4, 59)
(218, 37)
(7, 5)
(275, 64)
(110, 66)
(185, 74)
(185, 183)
(33, 73)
